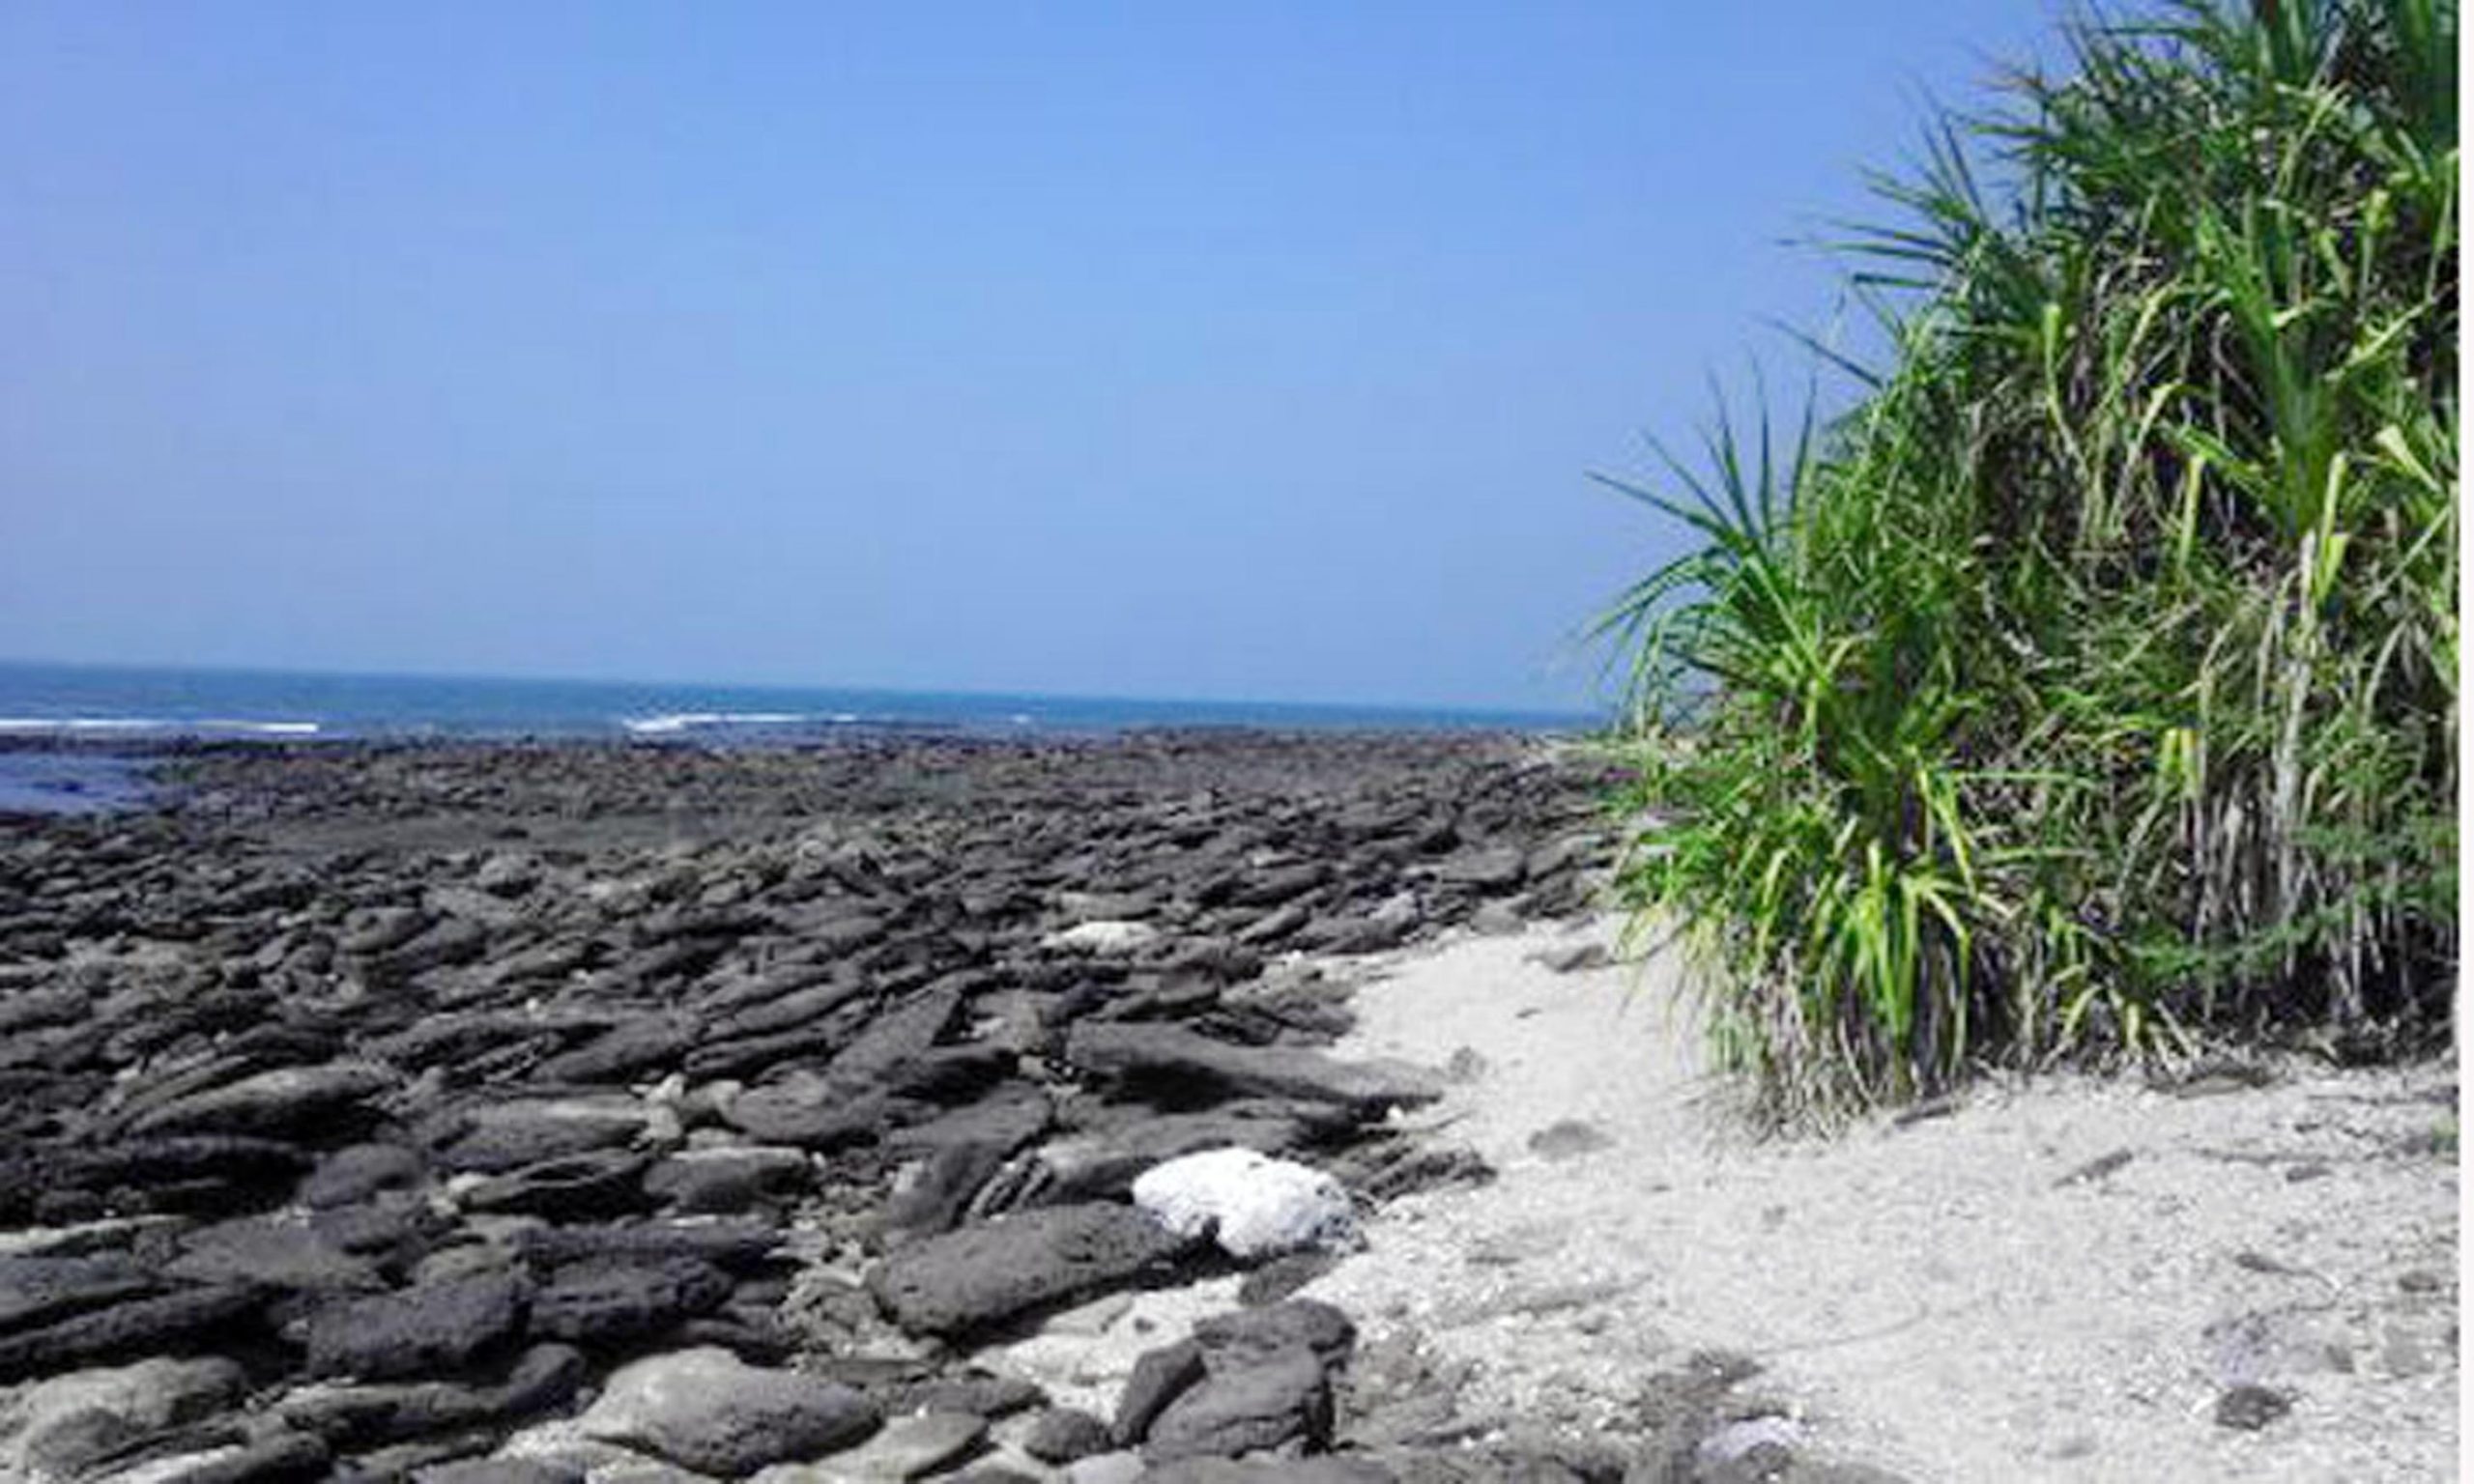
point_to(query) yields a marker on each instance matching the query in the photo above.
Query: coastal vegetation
(2086, 690)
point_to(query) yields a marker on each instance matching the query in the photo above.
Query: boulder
(708, 1411)
(56, 1428)
(1251, 1205)
(985, 1274)
(1265, 1402)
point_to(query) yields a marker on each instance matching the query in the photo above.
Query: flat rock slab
(34, 1290)
(434, 1328)
(362, 1415)
(708, 1411)
(54, 1429)
(274, 1251)
(1184, 1060)
(1267, 1401)
(134, 1327)
(904, 1449)
(600, 1299)
(290, 1100)
(983, 1275)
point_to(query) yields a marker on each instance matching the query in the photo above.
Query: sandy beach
(2057, 1279)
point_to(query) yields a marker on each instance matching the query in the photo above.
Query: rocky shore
(537, 1113)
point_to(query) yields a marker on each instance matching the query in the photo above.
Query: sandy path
(1937, 1298)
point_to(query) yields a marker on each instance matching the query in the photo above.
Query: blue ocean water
(103, 704)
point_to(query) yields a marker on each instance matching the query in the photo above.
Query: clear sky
(1242, 350)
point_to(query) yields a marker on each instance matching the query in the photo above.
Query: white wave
(687, 721)
(93, 724)
(83, 723)
(260, 729)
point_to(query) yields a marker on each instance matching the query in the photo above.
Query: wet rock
(984, 1274)
(432, 1329)
(708, 1410)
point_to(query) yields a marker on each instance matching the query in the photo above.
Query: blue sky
(1252, 351)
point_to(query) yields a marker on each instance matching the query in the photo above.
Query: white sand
(1927, 1297)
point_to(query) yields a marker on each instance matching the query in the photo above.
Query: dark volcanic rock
(809, 1117)
(1160, 1375)
(1174, 1064)
(638, 1048)
(352, 1175)
(845, 951)
(601, 1299)
(730, 1246)
(505, 1136)
(599, 1184)
(728, 1179)
(1266, 1401)
(500, 1471)
(896, 1037)
(309, 1104)
(1228, 1339)
(172, 1321)
(273, 1253)
(361, 1415)
(37, 1290)
(1061, 1434)
(431, 1330)
(712, 1412)
(985, 1274)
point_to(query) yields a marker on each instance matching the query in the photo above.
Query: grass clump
(2088, 690)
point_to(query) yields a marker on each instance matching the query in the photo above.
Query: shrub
(2088, 690)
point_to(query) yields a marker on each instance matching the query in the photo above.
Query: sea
(98, 710)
